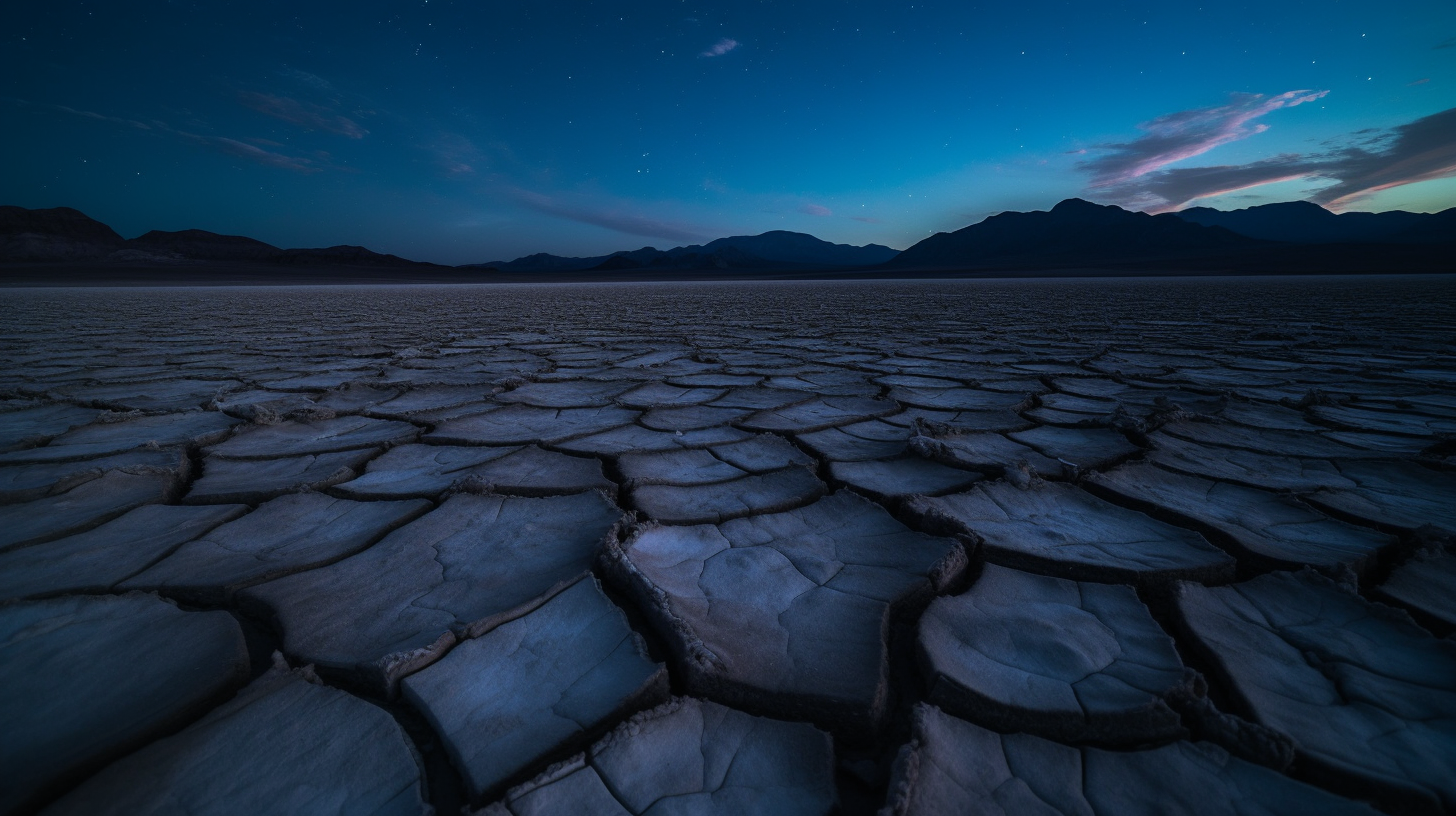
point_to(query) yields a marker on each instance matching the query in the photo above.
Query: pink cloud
(720, 48)
(303, 114)
(1185, 134)
(815, 209)
(609, 215)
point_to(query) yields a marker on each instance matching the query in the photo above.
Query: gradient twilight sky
(464, 132)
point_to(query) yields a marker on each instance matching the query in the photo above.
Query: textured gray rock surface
(1070, 661)
(87, 505)
(1060, 529)
(1268, 530)
(952, 766)
(1426, 584)
(457, 572)
(87, 679)
(536, 685)
(1248, 408)
(343, 433)
(99, 559)
(1368, 697)
(787, 612)
(693, 758)
(283, 745)
(286, 535)
(248, 481)
(109, 437)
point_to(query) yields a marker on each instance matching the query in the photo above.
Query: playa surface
(736, 547)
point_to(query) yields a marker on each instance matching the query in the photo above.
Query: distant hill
(1074, 232)
(205, 246)
(775, 249)
(57, 234)
(1305, 222)
(64, 235)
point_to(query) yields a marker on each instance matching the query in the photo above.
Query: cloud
(610, 217)
(253, 153)
(1418, 82)
(720, 48)
(1368, 162)
(303, 114)
(865, 218)
(1185, 134)
(816, 209)
(313, 81)
(1447, 43)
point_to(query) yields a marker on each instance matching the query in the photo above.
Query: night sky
(463, 132)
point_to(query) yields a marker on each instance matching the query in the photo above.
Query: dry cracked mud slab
(427, 471)
(283, 745)
(104, 438)
(1268, 530)
(894, 479)
(160, 395)
(87, 505)
(457, 572)
(720, 501)
(1061, 530)
(1069, 661)
(637, 439)
(88, 678)
(23, 483)
(691, 417)
(821, 413)
(1267, 471)
(1394, 495)
(343, 433)
(525, 424)
(692, 758)
(99, 559)
(1368, 697)
(1265, 440)
(660, 394)
(986, 452)
(1426, 585)
(283, 536)
(787, 612)
(32, 426)
(250, 481)
(536, 686)
(568, 394)
(859, 442)
(1404, 423)
(427, 400)
(1082, 448)
(952, 766)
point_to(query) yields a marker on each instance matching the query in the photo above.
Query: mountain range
(1074, 237)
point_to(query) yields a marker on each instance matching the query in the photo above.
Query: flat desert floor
(944, 547)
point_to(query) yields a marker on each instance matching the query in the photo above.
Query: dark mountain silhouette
(205, 246)
(1078, 235)
(64, 235)
(57, 234)
(1074, 232)
(1305, 222)
(777, 249)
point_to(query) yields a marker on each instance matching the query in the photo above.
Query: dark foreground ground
(1072, 546)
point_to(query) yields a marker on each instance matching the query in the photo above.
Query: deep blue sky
(463, 132)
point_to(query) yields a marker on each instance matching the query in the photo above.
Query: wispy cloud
(612, 216)
(816, 209)
(1418, 82)
(256, 151)
(1366, 163)
(1185, 134)
(1450, 42)
(253, 153)
(720, 48)
(866, 219)
(303, 114)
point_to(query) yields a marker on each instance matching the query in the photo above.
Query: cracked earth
(1072, 547)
